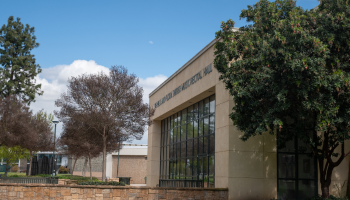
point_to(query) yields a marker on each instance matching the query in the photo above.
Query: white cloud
(54, 82)
(150, 42)
(149, 84)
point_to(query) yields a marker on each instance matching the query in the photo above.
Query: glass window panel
(171, 151)
(206, 106)
(171, 122)
(171, 139)
(286, 189)
(178, 150)
(205, 168)
(306, 168)
(200, 127)
(175, 120)
(182, 168)
(195, 111)
(195, 128)
(305, 189)
(171, 170)
(182, 141)
(189, 168)
(302, 147)
(178, 134)
(167, 152)
(200, 168)
(162, 124)
(190, 114)
(212, 104)
(200, 109)
(211, 165)
(211, 124)
(166, 138)
(286, 166)
(177, 173)
(206, 125)
(195, 147)
(200, 145)
(183, 132)
(211, 144)
(189, 131)
(189, 148)
(290, 147)
(195, 167)
(184, 116)
(175, 134)
(205, 145)
(167, 170)
(183, 149)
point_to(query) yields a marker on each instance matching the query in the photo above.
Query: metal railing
(37, 180)
(181, 183)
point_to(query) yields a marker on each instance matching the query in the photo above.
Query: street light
(54, 148)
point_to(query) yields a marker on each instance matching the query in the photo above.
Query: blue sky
(152, 38)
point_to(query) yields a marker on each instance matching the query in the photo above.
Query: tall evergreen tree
(289, 73)
(17, 65)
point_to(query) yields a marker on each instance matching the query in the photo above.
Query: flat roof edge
(184, 66)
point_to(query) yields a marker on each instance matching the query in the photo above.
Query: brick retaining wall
(62, 192)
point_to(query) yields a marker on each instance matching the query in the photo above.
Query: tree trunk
(7, 164)
(90, 166)
(104, 156)
(85, 164)
(30, 163)
(75, 161)
(325, 191)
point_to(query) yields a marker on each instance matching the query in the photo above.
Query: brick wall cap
(111, 187)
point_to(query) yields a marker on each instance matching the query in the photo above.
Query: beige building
(193, 143)
(132, 163)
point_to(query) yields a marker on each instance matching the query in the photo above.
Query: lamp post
(54, 148)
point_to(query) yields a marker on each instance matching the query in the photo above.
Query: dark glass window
(188, 145)
(297, 172)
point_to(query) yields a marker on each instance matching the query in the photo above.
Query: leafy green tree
(12, 154)
(288, 72)
(17, 65)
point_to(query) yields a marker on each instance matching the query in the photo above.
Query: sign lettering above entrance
(184, 85)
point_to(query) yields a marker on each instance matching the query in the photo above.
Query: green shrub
(15, 168)
(63, 170)
(102, 183)
(42, 175)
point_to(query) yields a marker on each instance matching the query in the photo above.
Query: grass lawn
(13, 173)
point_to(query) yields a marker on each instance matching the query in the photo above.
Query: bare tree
(19, 127)
(111, 105)
(15, 120)
(40, 136)
(77, 141)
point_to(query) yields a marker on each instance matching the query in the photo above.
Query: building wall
(96, 164)
(130, 166)
(248, 169)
